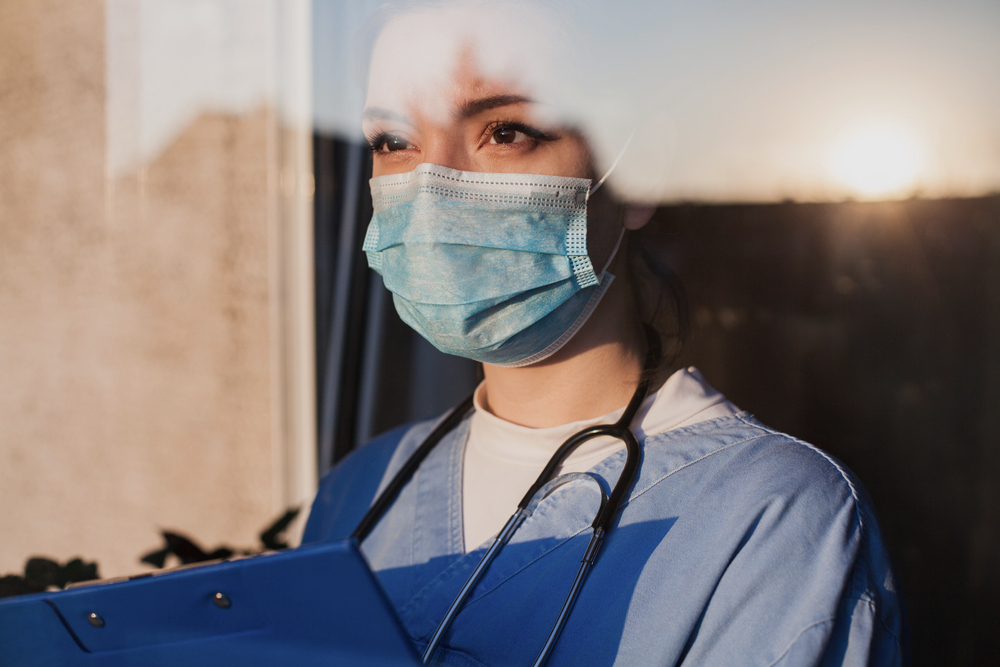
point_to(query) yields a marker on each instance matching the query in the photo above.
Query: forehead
(432, 60)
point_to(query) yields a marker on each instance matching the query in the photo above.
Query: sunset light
(879, 162)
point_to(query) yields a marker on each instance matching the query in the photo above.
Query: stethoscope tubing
(500, 541)
(589, 556)
(610, 505)
(392, 490)
(484, 563)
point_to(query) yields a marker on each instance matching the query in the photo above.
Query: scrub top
(738, 545)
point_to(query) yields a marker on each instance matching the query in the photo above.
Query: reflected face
(436, 106)
(494, 131)
(431, 101)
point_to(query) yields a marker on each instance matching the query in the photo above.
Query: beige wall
(148, 373)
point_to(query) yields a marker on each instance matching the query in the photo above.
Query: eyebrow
(466, 110)
(474, 107)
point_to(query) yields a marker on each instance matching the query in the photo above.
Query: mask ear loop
(614, 164)
(599, 183)
(621, 235)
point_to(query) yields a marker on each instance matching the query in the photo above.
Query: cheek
(384, 165)
(576, 159)
(566, 157)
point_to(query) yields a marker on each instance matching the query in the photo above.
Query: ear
(636, 216)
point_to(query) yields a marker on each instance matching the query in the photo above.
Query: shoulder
(788, 527)
(743, 462)
(348, 489)
(764, 483)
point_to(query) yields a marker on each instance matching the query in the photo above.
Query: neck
(595, 373)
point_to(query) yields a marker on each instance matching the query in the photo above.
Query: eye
(395, 143)
(388, 143)
(512, 132)
(506, 135)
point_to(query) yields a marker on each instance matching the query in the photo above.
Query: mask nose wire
(614, 164)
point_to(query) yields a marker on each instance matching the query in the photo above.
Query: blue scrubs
(739, 545)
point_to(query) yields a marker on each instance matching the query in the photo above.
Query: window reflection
(825, 180)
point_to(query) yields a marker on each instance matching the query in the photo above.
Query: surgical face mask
(492, 267)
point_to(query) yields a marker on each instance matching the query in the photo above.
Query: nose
(446, 147)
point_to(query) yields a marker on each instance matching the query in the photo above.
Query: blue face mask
(492, 267)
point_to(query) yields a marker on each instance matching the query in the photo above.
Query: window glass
(825, 178)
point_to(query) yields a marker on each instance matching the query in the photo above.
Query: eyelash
(527, 130)
(376, 140)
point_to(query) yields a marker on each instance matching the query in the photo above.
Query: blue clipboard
(315, 605)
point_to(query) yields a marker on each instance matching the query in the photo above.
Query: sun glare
(877, 162)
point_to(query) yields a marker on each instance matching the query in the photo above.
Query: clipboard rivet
(221, 601)
(95, 620)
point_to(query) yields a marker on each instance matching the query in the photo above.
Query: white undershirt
(503, 459)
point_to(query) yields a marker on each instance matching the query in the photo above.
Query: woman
(733, 544)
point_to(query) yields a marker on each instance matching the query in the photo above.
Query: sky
(725, 101)
(765, 100)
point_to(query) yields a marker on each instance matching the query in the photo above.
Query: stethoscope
(542, 488)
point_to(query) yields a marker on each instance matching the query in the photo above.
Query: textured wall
(136, 376)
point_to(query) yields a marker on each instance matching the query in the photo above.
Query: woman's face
(491, 128)
(430, 102)
(429, 105)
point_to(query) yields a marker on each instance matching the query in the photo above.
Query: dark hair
(659, 293)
